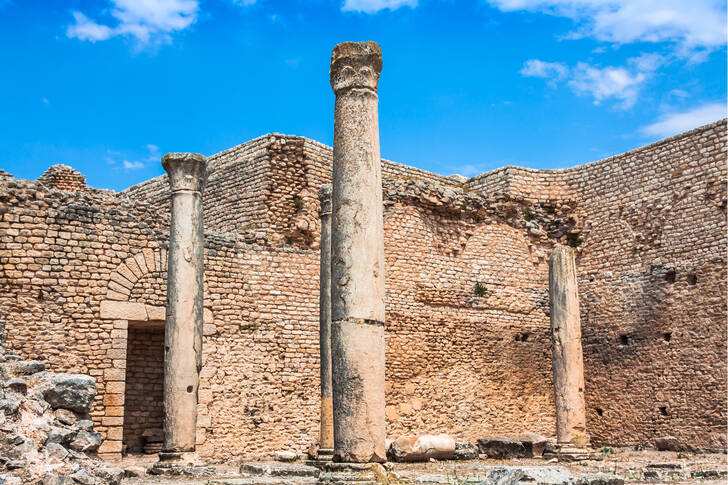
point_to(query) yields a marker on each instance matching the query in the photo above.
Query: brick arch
(132, 269)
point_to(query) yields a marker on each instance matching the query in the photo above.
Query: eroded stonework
(83, 274)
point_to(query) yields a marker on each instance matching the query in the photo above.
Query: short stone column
(326, 439)
(567, 361)
(357, 290)
(183, 329)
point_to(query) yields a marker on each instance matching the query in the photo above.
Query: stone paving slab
(278, 469)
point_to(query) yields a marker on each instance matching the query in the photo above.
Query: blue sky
(108, 86)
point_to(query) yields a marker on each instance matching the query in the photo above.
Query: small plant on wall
(573, 239)
(479, 289)
(298, 203)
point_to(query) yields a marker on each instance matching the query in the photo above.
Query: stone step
(278, 469)
(266, 480)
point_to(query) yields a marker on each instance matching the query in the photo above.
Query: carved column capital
(355, 65)
(187, 171)
(324, 195)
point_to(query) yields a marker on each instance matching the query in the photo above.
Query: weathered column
(326, 439)
(357, 290)
(183, 329)
(567, 361)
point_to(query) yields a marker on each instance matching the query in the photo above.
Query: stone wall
(77, 267)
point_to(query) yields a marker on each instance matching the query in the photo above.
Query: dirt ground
(634, 466)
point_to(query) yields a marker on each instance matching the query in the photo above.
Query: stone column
(183, 329)
(567, 361)
(357, 290)
(326, 440)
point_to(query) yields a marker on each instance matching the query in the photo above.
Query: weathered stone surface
(422, 448)
(85, 441)
(326, 435)
(123, 310)
(465, 450)
(546, 475)
(278, 469)
(534, 444)
(64, 416)
(357, 257)
(668, 443)
(187, 174)
(69, 391)
(567, 358)
(501, 447)
(46, 446)
(286, 456)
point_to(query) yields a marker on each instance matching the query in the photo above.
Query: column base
(180, 463)
(355, 473)
(567, 452)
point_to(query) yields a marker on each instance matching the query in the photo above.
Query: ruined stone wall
(652, 276)
(235, 195)
(77, 267)
(59, 251)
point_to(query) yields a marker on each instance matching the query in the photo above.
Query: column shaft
(567, 361)
(183, 328)
(326, 441)
(357, 291)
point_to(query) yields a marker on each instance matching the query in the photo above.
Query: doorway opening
(143, 405)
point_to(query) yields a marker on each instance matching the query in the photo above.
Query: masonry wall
(78, 266)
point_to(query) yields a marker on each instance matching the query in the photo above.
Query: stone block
(123, 310)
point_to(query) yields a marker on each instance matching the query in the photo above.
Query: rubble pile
(46, 434)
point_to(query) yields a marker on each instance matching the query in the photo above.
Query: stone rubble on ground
(46, 434)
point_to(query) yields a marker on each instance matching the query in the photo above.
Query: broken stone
(64, 416)
(17, 384)
(667, 443)
(285, 456)
(86, 441)
(56, 451)
(70, 391)
(501, 447)
(23, 368)
(422, 448)
(534, 444)
(465, 450)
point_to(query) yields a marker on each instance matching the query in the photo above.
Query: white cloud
(690, 24)
(554, 71)
(619, 83)
(607, 82)
(374, 6)
(87, 29)
(674, 123)
(132, 165)
(154, 155)
(144, 20)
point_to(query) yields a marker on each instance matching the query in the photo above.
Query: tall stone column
(183, 329)
(357, 290)
(567, 361)
(326, 439)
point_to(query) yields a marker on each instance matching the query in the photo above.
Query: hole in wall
(600, 411)
(670, 276)
(667, 336)
(522, 336)
(189, 388)
(692, 279)
(624, 339)
(663, 410)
